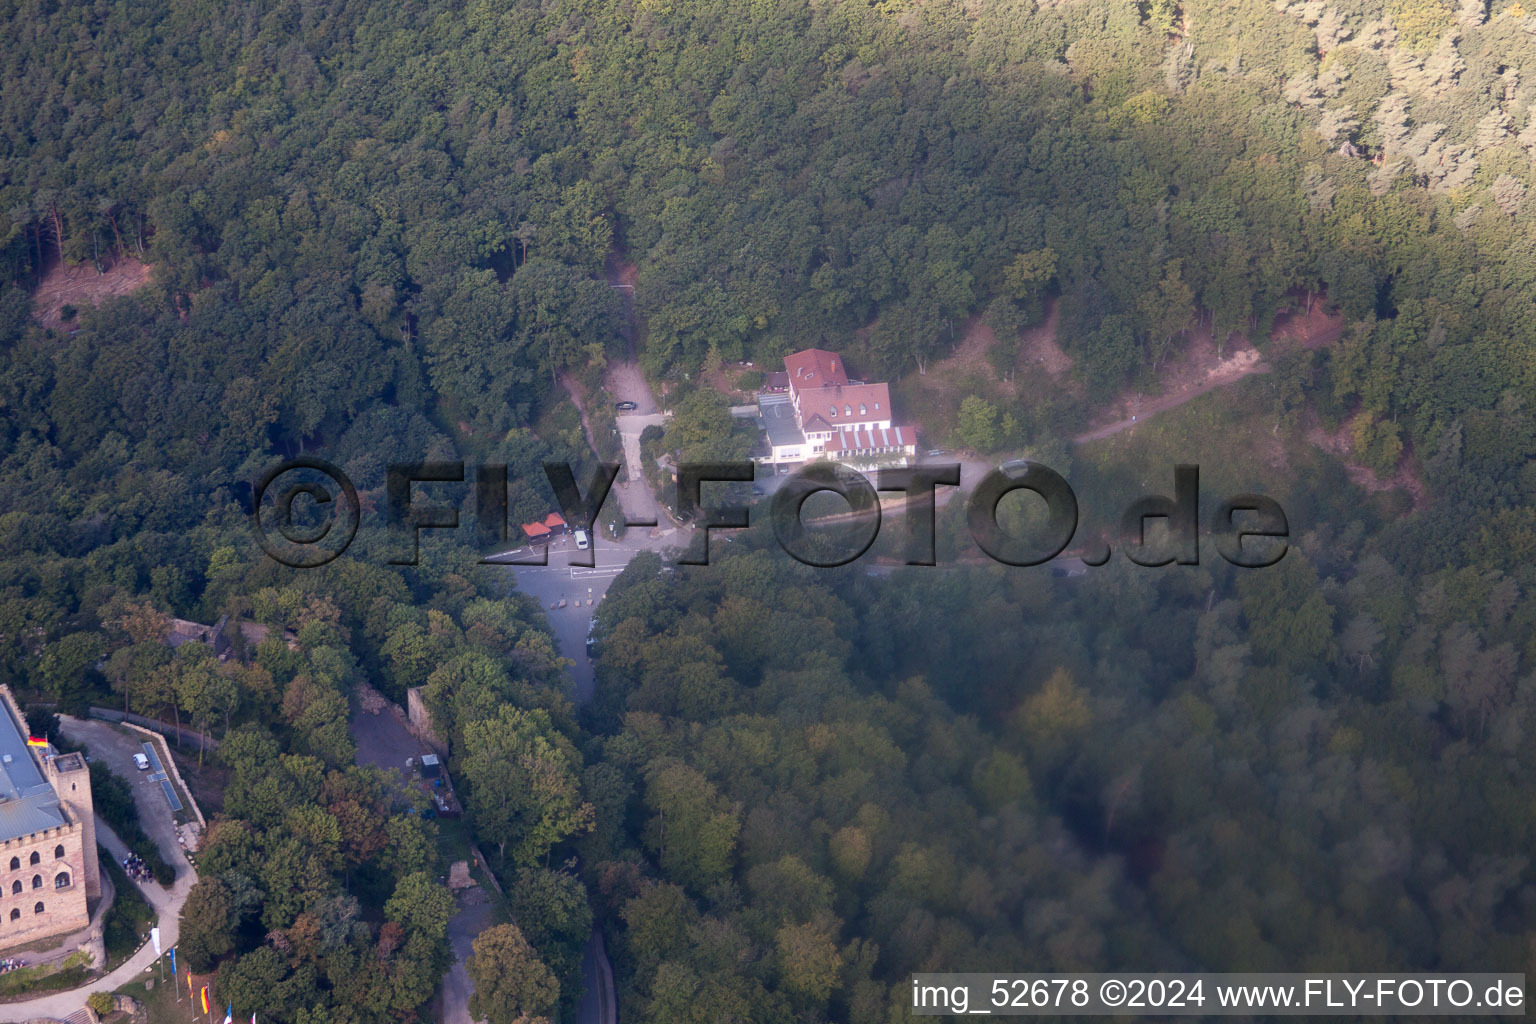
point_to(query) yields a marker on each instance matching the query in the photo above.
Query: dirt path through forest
(1200, 368)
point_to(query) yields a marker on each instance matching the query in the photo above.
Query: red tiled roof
(814, 368)
(554, 521)
(536, 529)
(857, 440)
(817, 422)
(856, 402)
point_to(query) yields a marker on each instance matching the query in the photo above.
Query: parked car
(625, 406)
(935, 452)
(582, 540)
(141, 762)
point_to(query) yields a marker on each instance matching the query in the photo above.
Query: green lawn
(73, 970)
(161, 1003)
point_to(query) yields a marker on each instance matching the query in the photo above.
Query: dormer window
(862, 410)
(832, 409)
(847, 410)
(877, 407)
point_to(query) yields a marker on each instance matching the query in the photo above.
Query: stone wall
(419, 721)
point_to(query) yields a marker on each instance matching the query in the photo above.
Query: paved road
(583, 589)
(474, 917)
(599, 1002)
(115, 750)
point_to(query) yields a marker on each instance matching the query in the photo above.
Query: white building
(826, 415)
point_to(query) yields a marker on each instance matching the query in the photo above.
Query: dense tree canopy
(391, 232)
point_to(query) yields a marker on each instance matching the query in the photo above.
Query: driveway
(635, 496)
(626, 383)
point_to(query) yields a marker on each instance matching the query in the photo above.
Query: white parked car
(141, 762)
(582, 541)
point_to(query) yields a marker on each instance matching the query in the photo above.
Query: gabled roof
(848, 402)
(554, 521)
(814, 368)
(536, 529)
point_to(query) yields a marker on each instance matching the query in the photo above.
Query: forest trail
(1199, 369)
(82, 286)
(1242, 364)
(626, 382)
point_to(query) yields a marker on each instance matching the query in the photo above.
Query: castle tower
(70, 778)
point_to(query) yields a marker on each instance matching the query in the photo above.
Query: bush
(751, 380)
(101, 1002)
(67, 312)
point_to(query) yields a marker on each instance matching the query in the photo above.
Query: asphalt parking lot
(115, 746)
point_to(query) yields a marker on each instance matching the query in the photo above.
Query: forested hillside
(384, 232)
(958, 768)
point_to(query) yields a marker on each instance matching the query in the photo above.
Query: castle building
(48, 863)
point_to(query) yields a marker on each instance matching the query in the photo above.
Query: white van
(582, 542)
(141, 762)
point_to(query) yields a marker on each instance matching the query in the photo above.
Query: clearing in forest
(82, 286)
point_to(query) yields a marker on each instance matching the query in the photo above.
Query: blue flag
(172, 952)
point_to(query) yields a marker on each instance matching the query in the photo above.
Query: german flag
(33, 741)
